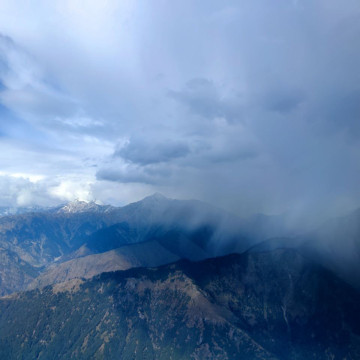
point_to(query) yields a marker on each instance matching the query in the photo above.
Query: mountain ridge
(43, 241)
(270, 305)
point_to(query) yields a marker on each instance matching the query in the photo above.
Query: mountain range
(176, 279)
(271, 305)
(181, 229)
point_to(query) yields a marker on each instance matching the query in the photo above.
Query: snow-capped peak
(79, 206)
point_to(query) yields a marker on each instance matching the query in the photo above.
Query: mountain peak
(156, 197)
(79, 206)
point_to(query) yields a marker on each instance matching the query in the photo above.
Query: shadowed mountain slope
(268, 305)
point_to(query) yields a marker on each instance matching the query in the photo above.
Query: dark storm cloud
(343, 110)
(145, 151)
(135, 174)
(282, 100)
(202, 97)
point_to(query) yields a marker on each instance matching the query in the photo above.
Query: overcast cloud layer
(250, 105)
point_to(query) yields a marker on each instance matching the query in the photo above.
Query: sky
(253, 106)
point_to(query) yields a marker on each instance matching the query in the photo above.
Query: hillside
(269, 305)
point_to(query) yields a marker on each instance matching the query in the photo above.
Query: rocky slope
(264, 305)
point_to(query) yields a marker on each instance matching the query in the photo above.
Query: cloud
(282, 100)
(28, 94)
(202, 97)
(144, 151)
(249, 105)
(28, 190)
(342, 110)
(127, 173)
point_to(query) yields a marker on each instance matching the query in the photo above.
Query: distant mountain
(178, 225)
(78, 206)
(39, 238)
(10, 210)
(185, 229)
(262, 305)
(50, 241)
